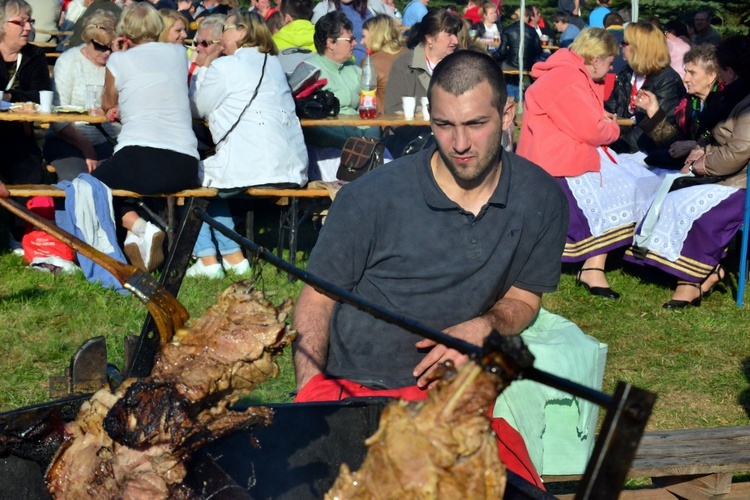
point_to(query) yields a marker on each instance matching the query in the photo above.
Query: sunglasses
(349, 39)
(100, 47)
(206, 43)
(624, 44)
(30, 22)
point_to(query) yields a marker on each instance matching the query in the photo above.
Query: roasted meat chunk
(442, 447)
(134, 443)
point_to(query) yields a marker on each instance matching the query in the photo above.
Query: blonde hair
(140, 22)
(169, 17)
(648, 48)
(594, 42)
(486, 6)
(384, 34)
(99, 27)
(12, 7)
(257, 33)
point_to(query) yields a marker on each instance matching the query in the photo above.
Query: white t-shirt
(491, 33)
(151, 80)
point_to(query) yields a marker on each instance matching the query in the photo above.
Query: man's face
(701, 22)
(559, 26)
(536, 16)
(467, 130)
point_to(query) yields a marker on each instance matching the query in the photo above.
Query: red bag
(38, 244)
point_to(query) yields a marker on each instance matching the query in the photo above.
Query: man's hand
(610, 117)
(510, 315)
(473, 331)
(3, 191)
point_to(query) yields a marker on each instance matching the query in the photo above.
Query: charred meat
(442, 447)
(133, 443)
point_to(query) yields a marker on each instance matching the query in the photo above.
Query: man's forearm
(514, 312)
(312, 317)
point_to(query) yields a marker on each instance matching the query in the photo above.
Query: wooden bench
(689, 463)
(288, 198)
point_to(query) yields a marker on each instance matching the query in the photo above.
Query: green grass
(696, 360)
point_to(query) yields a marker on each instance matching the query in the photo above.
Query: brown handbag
(359, 156)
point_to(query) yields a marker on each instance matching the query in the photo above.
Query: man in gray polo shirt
(464, 239)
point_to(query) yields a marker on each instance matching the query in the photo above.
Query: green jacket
(298, 33)
(343, 81)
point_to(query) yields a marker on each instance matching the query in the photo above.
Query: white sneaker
(15, 245)
(146, 253)
(213, 271)
(242, 267)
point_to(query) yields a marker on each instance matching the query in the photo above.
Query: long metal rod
(339, 294)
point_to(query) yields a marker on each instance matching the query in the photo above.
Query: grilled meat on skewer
(442, 447)
(133, 443)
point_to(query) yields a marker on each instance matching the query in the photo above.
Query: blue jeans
(208, 239)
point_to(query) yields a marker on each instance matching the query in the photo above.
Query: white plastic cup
(545, 40)
(45, 101)
(93, 99)
(425, 108)
(410, 105)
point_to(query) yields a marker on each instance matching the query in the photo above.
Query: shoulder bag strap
(255, 94)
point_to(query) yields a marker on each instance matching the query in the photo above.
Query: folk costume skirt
(694, 228)
(605, 206)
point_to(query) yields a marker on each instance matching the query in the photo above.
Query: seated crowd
(648, 161)
(683, 114)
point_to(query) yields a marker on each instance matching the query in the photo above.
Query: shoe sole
(133, 253)
(156, 258)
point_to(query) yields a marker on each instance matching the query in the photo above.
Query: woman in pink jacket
(564, 125)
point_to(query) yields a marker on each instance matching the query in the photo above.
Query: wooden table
(17, 116)
(393, 120)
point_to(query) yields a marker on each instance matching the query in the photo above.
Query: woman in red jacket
(564, 125)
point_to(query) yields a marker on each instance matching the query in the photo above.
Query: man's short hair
(732, 53)
(462, 71)
(559, 17)
(613, 19)
(297, 9)
(213, 24)
(332, 25)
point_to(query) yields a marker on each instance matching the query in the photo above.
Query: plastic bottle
(368, 106)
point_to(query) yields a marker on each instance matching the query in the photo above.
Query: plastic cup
(473, 33)
(45, 101)
(545, 39)
(425, 108)
(93, 99)
(409, 104)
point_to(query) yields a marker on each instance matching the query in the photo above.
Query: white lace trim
(679, 211)
(616, 196)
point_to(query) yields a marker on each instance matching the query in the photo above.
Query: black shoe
(598, 291)
(721, 273)
(682, 304)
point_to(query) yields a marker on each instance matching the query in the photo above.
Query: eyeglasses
(624, 44)
(100, 47)
(346, 39)
(206, 43)
(228, 27)
(30, 22)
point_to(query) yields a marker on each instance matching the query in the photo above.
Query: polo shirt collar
(331, 65)
(436, 198)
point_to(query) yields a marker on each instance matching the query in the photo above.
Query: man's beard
(482, 166)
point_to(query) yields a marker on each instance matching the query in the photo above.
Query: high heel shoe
(723, 280)
(598, 291)
(682, 304)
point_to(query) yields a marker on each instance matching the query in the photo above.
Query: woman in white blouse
(247, 102)
(76, 148)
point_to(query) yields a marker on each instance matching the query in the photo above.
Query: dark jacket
(669, 90)
(510, 41)
(33, 76)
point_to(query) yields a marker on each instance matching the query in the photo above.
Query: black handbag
(359, 156)
(320, 104)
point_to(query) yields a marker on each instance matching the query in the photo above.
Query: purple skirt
(580, 244)
(706, 243)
